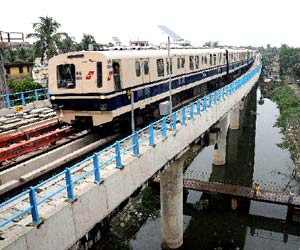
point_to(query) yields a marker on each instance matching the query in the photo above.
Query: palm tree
(47, 36)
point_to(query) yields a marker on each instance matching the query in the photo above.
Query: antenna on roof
(170, 33)
(116, 40)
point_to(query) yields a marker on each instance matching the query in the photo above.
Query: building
(18, 70)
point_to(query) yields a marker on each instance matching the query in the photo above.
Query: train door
(117, 74)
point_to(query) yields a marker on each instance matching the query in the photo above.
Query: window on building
(20, 69)
(191, 62)
(197, 62)
(99, 74)
(160, 67)
(66, 76)
(137, 68)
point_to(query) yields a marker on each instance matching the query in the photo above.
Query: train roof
(119, 54)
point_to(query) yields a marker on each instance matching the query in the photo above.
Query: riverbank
(289, 120)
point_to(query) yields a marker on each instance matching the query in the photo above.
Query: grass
(289, 119)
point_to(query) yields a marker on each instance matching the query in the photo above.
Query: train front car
(76, 87)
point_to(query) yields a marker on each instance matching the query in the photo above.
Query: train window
(99, 74)
(197, 62)
(66, 76)
(191, 62)
(170, 67)
(182, 62)
(202, 60)
(178, 62)
(160, 67)
(146, 67)
(137, 68)
(210, 59)
(215, 59)
(205, 59)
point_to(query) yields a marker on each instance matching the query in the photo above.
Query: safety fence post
(23, 98)
(174, 121)
(34, 209)
(7, 100)
(183, 115)
(36, 95)
(164, 127)
(198, 107)
(69, 182)
(118, 155)
(136, 144)
(210, 100)
(96, 168)
(204, 103)
(215, 97)
(192, 111)
(151, 135)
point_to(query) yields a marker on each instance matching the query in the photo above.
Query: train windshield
(66, 76)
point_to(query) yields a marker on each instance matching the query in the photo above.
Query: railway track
(15, 147)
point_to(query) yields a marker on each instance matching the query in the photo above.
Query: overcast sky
(231, 22)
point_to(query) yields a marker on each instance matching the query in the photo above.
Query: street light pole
(170, 80)
(132, 111)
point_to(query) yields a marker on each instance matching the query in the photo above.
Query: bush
(23, 85)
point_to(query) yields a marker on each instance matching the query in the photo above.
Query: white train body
(96, 85)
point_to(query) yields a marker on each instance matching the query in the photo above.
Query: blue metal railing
(22, 98)
(131, 144)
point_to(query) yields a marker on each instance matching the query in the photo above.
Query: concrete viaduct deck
(57, 213)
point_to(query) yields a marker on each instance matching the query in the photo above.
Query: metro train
(94, 87)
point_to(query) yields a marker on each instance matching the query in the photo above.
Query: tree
(47, 37)
(87, 40)
(19, 54)
(67, 44)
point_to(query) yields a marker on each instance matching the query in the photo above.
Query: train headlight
(52, 97)
(102, 97)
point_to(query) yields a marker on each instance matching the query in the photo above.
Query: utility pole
(170, 79)
(132, 110)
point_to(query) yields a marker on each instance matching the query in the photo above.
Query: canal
(253, 155)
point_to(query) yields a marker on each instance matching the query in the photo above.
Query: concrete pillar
(219, 154)
(241, 104)
(235, 118)
(171, 200)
